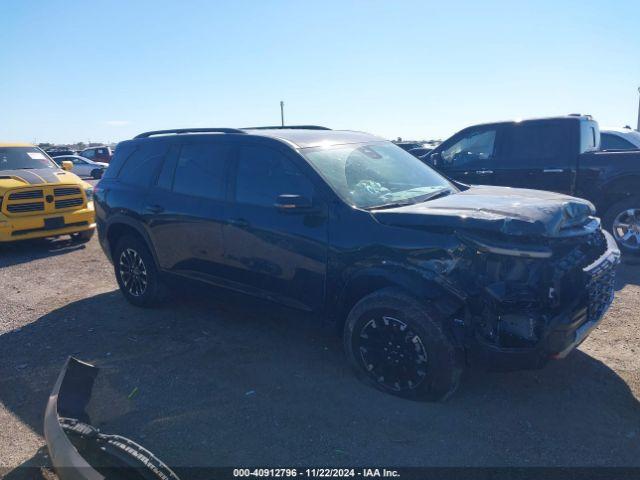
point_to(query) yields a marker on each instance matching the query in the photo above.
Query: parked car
(59, 151)
(420, 152)
(408, 146)
(40, 199)
(619, 139)
(83, 167)
(560, 154)
(97, 154)
(422, 274)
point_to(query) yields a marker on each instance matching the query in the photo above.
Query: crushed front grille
(601, 287)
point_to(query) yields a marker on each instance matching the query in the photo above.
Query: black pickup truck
(560, 154)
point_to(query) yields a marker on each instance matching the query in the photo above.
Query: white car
(83, 167)
(619, 139)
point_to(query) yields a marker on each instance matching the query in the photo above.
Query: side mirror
(293, 203)
(66, 165)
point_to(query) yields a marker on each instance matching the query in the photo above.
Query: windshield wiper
(422, 198)
(440, 193)
(390, 205)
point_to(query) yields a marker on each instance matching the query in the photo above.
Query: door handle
(154, 209)
(238, 222)
(484, 172)
(553, 170)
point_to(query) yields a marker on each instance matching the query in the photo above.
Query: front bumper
(565, 331)
(71, 439)
(600, 289)
(41, 226)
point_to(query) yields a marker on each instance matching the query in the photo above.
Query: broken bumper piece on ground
(80, 451)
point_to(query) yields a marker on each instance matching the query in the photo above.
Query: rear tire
(622, 219)
(396, 344)
(136, 272)
(83, 237)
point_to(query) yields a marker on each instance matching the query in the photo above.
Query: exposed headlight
(89, 193)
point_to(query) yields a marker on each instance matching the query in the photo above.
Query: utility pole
(638, 126)
(282, 113)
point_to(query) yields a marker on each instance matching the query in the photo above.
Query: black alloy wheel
(392, 353)
(133, 272)
(397, 344)
(136, 272)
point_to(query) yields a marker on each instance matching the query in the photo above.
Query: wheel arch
(417, 284)
(615, 190)
(122, 225)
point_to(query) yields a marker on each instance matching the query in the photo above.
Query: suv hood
(511, 211)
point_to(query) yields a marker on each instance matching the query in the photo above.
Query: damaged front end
(80, 451)
(529, 300)
(532, 272)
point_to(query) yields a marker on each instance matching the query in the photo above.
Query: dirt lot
(213, 380)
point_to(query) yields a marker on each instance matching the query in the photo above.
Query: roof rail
(188, 130)
(288, 127)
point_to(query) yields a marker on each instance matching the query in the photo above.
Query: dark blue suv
(423, 274)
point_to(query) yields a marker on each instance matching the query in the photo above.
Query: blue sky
(106, 70)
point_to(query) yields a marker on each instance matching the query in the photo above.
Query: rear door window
(201, 170)
(165, 177)
(536, 145)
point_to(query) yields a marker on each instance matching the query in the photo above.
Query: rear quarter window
(142, 165)
(121, 155)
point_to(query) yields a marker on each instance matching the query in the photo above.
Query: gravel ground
(215, 380)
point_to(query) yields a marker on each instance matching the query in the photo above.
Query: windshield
(376, 174)
(21, 158)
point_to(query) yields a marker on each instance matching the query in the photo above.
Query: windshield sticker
(36, 155)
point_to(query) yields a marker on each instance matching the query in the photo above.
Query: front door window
(472, 150)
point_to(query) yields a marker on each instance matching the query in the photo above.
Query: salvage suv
(423, 275)
(39, 199)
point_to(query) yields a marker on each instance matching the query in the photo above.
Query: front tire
(397, 345)
(622, 219)
(136, 272)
